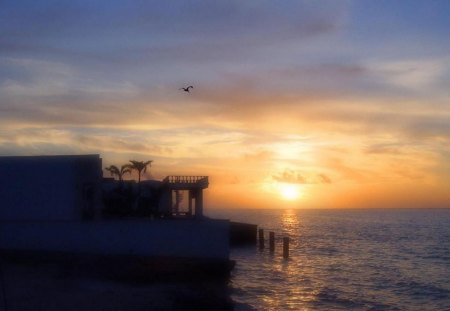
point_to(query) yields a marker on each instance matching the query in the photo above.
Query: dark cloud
(324, 179)
(126, 27)
(323, 71)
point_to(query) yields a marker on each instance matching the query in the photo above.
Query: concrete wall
(47, 187)
(179, 237)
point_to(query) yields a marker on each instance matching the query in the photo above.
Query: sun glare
(290, 192)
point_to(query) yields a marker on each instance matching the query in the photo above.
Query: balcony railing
(186, 179)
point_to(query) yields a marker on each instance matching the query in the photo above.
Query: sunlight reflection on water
(289, 222)
(341, 260)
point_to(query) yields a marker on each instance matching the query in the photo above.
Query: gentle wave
(346, 260)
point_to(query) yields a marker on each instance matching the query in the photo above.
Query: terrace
(193, 185)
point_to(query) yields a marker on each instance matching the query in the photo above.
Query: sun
(289, 192)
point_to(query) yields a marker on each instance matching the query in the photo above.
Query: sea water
(368, 259)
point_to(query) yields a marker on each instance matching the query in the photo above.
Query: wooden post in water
(272, 241)
(286, 247)
(261, 238)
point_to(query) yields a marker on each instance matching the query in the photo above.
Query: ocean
(359, 259)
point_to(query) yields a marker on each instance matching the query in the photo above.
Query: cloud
(296, 177)
(69, 64)
(324, 179)
(119, 145)
(429, 127)
(46, 139)
(349, 172)
(412, 74)
(259, 156)
(385, 148)
(129, 30)
(322, 70)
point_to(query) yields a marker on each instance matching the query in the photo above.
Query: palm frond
(139, 166)
(126, 171)
(114, 170)
(144, 164)
(126, 168)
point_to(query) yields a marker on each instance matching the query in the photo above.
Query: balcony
(186, 182)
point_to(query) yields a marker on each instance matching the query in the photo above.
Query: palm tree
(139, 166)
(114, 170)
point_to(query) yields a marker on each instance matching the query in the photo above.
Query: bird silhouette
(186, 89)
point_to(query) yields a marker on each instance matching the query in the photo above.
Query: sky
(296, 104)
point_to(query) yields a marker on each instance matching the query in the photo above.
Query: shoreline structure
(61, 208)
(68, 235)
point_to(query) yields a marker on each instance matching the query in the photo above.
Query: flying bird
(186, 89)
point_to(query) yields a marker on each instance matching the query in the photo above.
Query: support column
(199, 203)
(190, 202)
(175, 205)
